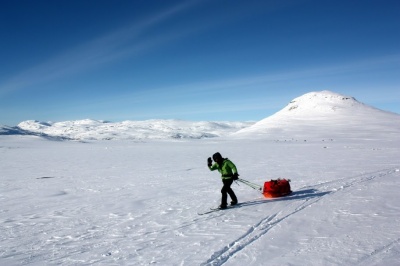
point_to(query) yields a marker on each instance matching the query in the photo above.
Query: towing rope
(250, 184)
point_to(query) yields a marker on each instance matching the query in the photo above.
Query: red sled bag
(277, 188)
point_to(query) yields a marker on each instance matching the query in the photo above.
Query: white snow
(326, 114)
(136, 202)
(89, 129)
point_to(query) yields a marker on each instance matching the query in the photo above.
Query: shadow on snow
(296, 195)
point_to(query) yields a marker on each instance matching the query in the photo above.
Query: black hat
(217, 157)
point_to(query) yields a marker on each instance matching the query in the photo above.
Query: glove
(209, 162)
(235, 176)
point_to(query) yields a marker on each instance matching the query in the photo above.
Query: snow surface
(136, 202)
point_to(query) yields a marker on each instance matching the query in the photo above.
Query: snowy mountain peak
(33, 125)
(321, 102)
(323, 114)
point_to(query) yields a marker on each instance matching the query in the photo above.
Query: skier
(228, 174)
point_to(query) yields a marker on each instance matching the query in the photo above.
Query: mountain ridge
(314, 114)
(89, 129)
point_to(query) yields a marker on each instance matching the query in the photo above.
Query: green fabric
(227, 169)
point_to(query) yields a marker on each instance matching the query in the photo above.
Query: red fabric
(276, 188)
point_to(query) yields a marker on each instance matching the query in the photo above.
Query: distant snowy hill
(6, 130)
(321, 114)
(313, 115)
(150, 129)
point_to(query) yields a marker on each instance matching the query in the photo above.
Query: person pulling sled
(229, 173)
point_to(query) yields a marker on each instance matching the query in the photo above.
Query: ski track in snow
(261, 228)
(368, 258)
(80, 221)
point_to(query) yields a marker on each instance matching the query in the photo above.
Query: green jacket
(227, 169)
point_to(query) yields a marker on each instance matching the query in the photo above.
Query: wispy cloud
(121, 43)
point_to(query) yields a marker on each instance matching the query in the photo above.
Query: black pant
(226, 189)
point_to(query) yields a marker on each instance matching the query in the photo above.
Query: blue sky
(192, 60)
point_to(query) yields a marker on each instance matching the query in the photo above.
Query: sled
(276, 188)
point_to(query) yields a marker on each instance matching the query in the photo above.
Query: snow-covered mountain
(312, 115)
(324, 114)
(150, 129)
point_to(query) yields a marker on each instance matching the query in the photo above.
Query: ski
(215, 209)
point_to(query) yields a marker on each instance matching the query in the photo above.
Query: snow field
(136, 203)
